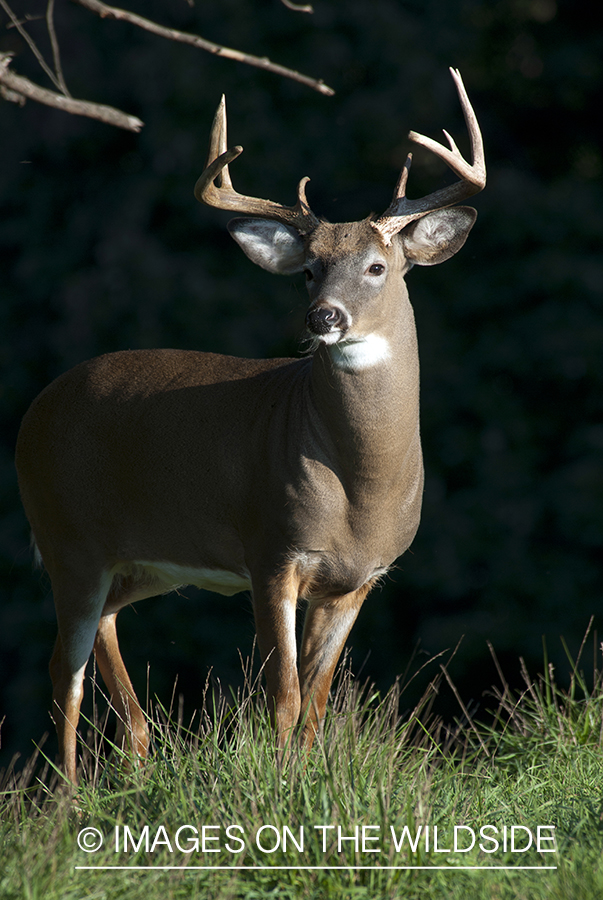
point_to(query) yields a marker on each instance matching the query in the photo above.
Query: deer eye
(376, 269)
(308, 274)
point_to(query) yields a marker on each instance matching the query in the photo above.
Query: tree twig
(26, 88)
(56, 55)
(32, 44)
(112, 12)
(17, 89)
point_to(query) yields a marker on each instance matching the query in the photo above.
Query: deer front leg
(274, 607)
(326, 628)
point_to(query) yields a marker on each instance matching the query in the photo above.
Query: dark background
(103, 247)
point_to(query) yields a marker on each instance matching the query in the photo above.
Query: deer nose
(322, 319)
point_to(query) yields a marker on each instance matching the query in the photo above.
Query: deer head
(347, 266)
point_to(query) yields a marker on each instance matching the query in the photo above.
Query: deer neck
(366, 397)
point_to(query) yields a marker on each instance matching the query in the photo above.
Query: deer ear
(271, 245)
(437, 236)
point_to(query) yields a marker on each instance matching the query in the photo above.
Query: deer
(299, 480)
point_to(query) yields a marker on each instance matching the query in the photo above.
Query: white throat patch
(361, 353)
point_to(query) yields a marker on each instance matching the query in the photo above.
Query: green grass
(538, 761)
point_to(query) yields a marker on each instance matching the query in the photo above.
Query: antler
(401, 210)
(224, 196)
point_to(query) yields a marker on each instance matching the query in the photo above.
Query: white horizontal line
(299, 868)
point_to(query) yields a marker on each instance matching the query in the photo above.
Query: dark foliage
(102, 247)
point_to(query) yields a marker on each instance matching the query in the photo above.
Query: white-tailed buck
(299, 479)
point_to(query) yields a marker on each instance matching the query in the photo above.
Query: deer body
(141, 471)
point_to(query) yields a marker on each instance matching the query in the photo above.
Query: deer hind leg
(132, 728)
(327, 625)
(274, 607)
(77, 621)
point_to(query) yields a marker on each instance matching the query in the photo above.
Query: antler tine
(400, 191)
(218, 142)
(401, 210)
(224, 196)
(475, 174)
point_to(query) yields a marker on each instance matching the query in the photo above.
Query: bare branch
(32, 44)
(171, 34)
(297, 6)
(23, 87)
(16, 89)
(56, 55)
(11, 96)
